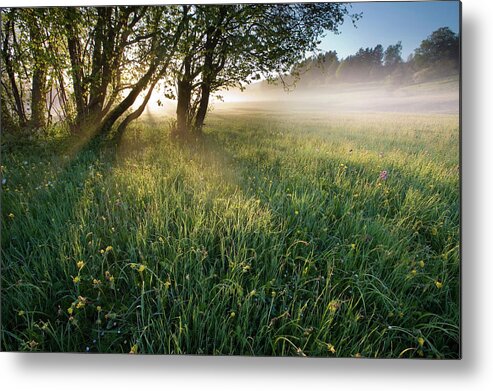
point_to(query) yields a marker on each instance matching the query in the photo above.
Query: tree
(392, 56)
(11, 57)
(35, 19)
(365, 65)
(315, 70)
(89, 64)
(99, 42)
(28, 60)
(227, 46)
(442, 45)
(165, 30)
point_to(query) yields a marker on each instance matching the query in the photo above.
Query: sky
(389, 22)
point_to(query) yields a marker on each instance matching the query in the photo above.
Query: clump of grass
(267, 238)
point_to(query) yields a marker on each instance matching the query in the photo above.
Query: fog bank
(433, 97)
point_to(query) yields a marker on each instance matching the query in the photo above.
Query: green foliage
(269, 237)
(366, 64)
(438, 56)
(392, 56)
(441, 45)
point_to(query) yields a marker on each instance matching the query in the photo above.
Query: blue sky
(389, 22)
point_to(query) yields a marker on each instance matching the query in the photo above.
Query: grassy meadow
(274, 235)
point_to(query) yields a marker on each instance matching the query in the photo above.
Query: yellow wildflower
(70, 310)
(353, 246)
(331, 348)
(141, 268)
(421, 264)
(413, 272)
(76, 279)
(21, 313)
(333, 306)
(109, 248)
(421, 341)
(32, 344)
(133, 349)
(98, 308)
(96, 283)
(438, 284)
(11, 215)
(80, 264)
(232, 314)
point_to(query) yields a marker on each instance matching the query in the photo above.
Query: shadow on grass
(36, 252)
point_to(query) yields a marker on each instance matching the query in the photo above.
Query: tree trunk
(209, 71)
(136, 114)
(125, 104)
(38, 98)
(38, 87)
(77, 70)
(19, 105)
(104, 41)
(183, 106)
(203, 105)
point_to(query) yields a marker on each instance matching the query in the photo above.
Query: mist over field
(432, 97)
(440, 97)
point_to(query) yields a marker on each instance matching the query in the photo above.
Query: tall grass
(268, 237)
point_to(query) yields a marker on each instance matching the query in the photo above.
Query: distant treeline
(437, 57)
